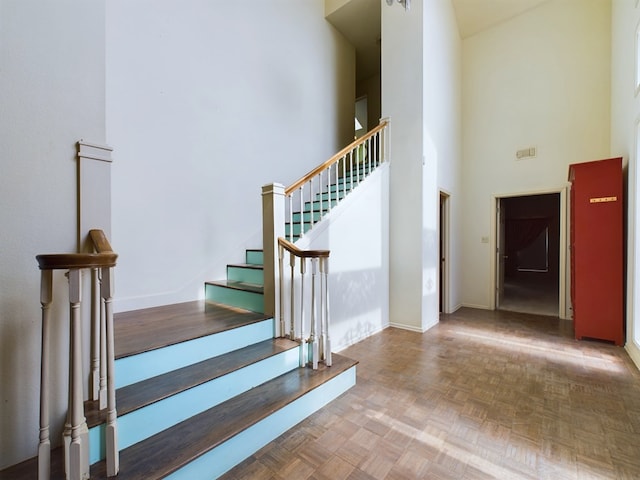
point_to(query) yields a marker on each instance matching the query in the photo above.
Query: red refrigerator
(596, 245)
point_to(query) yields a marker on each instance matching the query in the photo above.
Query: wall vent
(526, 153)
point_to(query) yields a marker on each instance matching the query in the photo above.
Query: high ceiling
(359, 22)
(476, 15)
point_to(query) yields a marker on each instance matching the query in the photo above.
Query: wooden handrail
(335, 158)
(58, 261)
(287, 245)
(100, 241)
(105, 257)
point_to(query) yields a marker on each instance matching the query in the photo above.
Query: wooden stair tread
(252, 266)
(173, 324)
(146, 392)
(249, 287)
(173, 448)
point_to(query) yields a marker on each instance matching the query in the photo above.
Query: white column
(273, 220)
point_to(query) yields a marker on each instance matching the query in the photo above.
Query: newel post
(273, 219)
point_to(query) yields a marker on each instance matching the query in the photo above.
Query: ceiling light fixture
(404, 3)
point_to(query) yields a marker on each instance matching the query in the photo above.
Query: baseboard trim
(410, 328)
(634, 352)
(473, 305)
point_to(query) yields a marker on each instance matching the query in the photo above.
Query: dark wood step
(246, 265)
(173, 324)
(146, 392)
(248, 287)
(175, 447)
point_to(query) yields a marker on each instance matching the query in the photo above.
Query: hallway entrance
(528, 254)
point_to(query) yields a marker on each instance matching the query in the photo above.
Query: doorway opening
(528, 254)
(444, 253)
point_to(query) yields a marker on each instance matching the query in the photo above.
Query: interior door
(500, 250)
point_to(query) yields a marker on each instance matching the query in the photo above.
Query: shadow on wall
(358, 302)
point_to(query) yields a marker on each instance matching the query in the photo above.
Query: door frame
(564, 311)
(444, 221)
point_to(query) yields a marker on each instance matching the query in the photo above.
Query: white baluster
(281, 289)
(79, 445)
(303, 346)
(111, 432)
(103, 350)
(290, 202)
(367, 153)
(301, 211)
(326, 343)
(44, 445)
(330, 194)
(358, 165)
(376, 146)
(344, 175)
(351, 169)
(313, 339)
(292, 328)
(94, 380)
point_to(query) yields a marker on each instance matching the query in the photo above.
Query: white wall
(207, 102)
(52, 95)
(423, 105)
(625, 115)
(442, 72)
(542, 80)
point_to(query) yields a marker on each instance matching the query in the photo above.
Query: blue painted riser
(236, 449)
(236, 298)
(140, 424)
(156, 362)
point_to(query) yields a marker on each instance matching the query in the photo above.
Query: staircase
(203, 385)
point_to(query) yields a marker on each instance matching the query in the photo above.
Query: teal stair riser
(296, 228)
(308, 206)
(326, 196)
(308, 216)
(236, 298)
(247, 275)
(224, 457)
(138, 425)
(145, 365)
(254, 257)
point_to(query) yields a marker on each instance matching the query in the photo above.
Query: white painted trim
(634, 353)
(94, 151)
(476, 306)
(412, 329)
(445, 235)
(563, 261)
(456, 308)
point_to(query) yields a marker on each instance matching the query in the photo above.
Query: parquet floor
(481, 395)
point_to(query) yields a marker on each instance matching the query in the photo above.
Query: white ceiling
(359, 22)
(476, 15)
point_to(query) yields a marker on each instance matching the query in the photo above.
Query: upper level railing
(313, 302)
(102, 384)
(303, 311)
(315, 194)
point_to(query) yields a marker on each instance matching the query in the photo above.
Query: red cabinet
(596, 238)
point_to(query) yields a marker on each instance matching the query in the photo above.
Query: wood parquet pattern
(482, 395)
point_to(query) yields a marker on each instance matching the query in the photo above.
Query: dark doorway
(531, 254)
